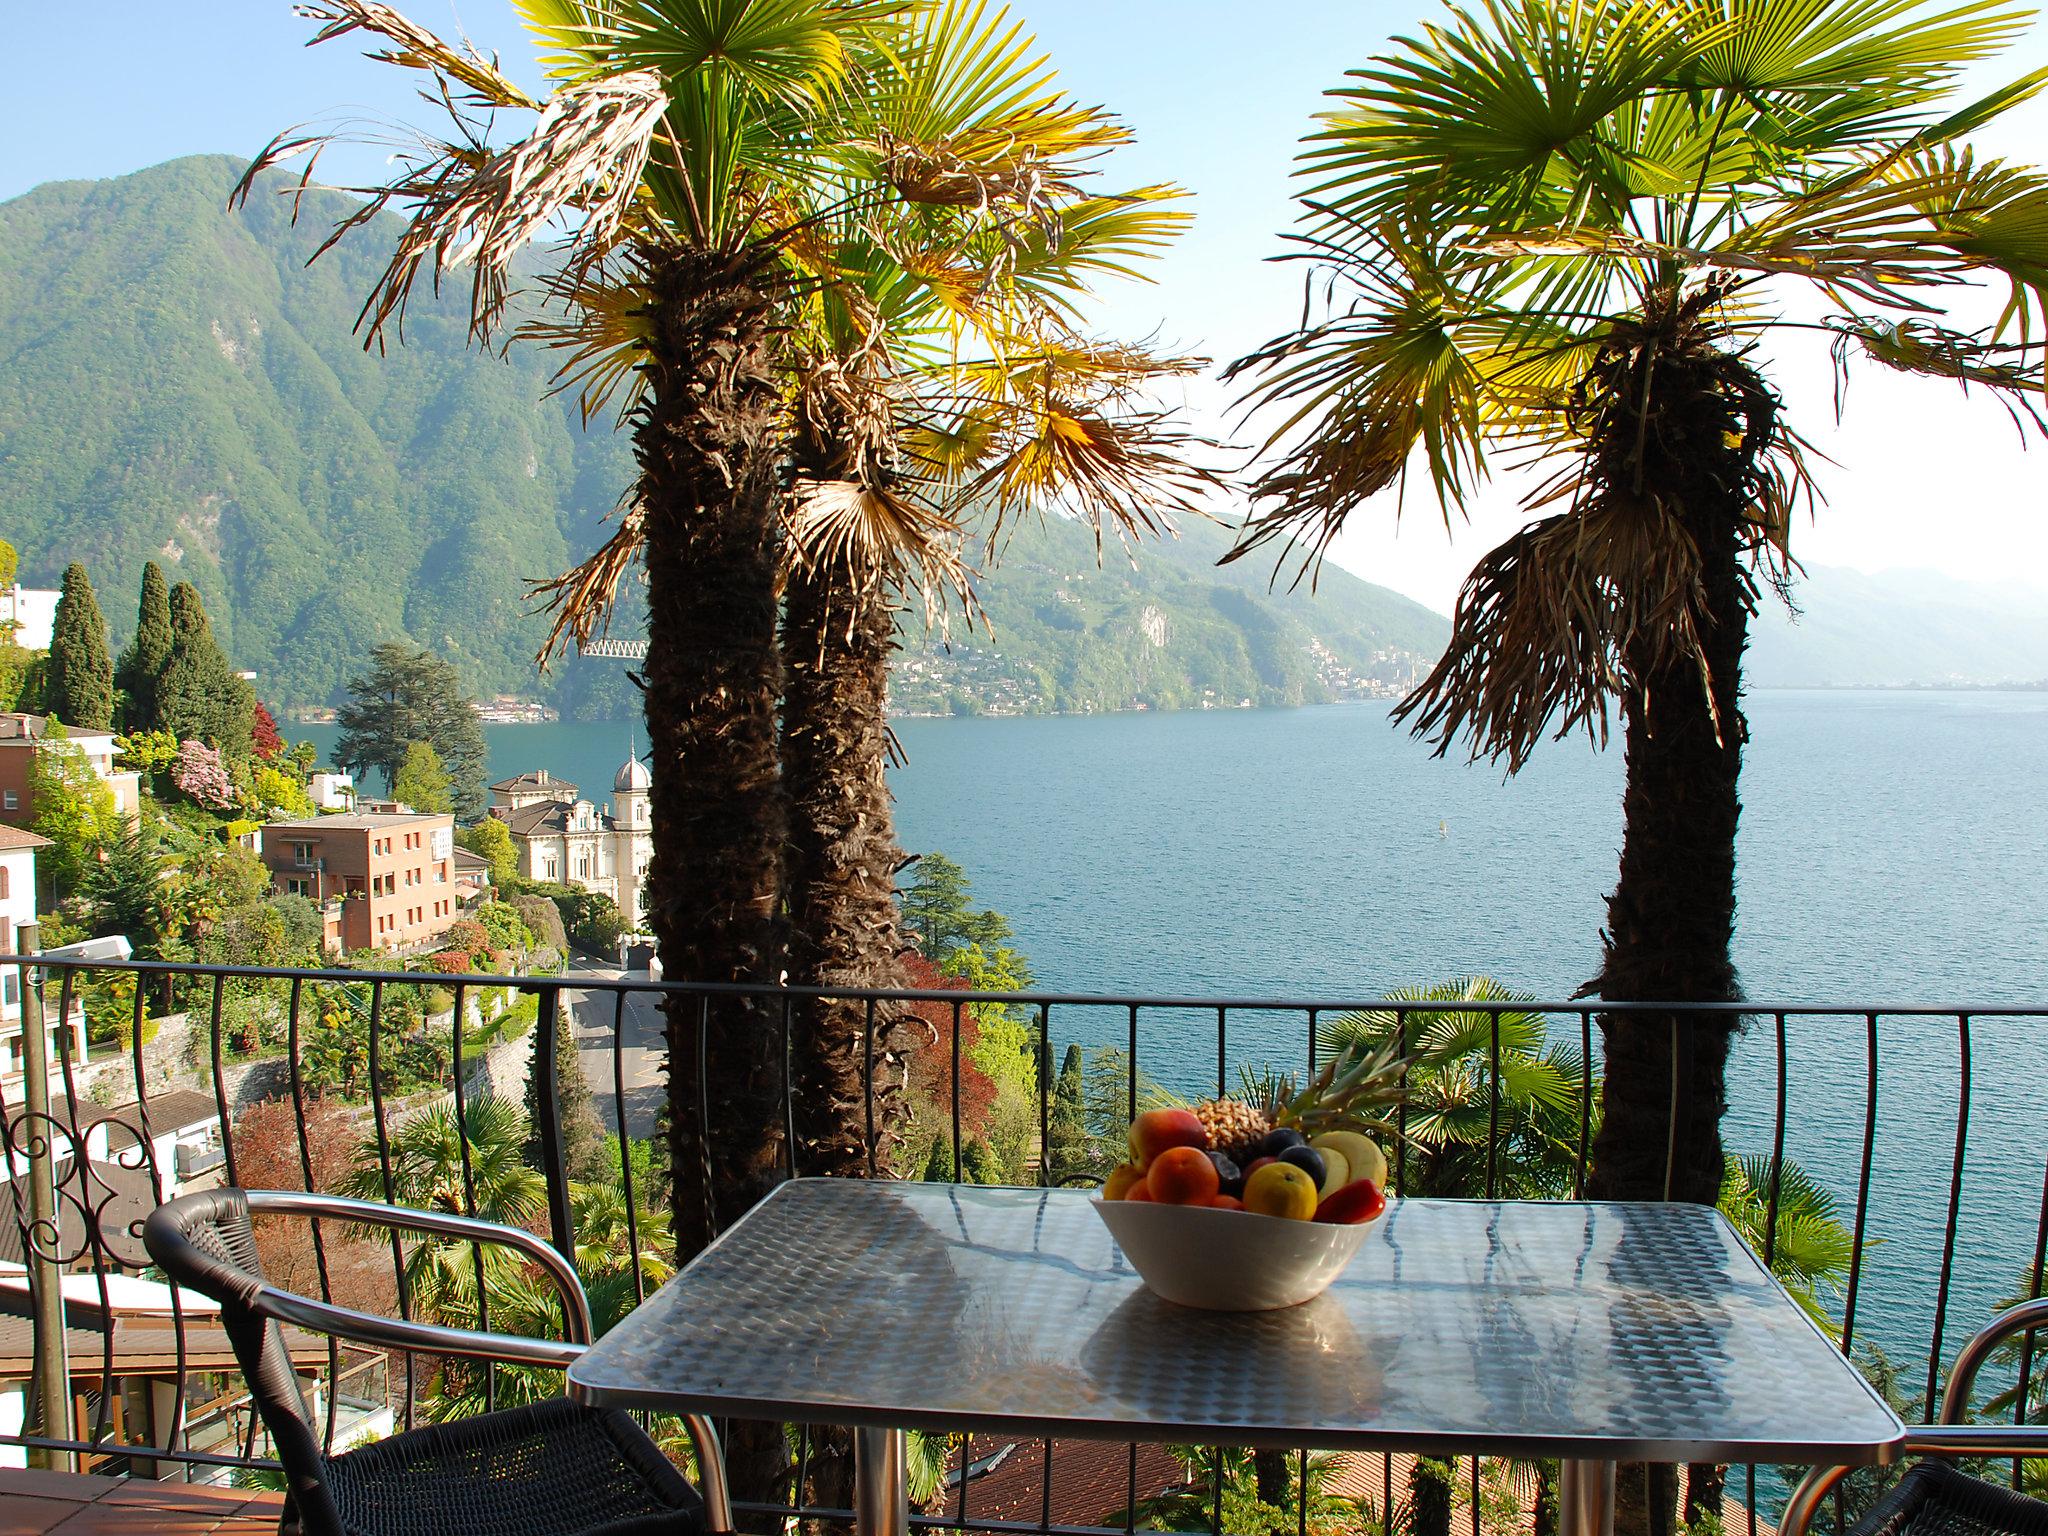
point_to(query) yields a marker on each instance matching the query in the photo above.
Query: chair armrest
(2024, 1318)
(1921, 1440)
(399, 1333)
(285, 1202)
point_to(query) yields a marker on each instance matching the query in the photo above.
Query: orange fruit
(1226, 1202)
(1182, 1176)
(1141, 1189)
(1281, 1189)
(1120, 1180)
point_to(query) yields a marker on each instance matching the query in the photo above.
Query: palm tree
(1468, 1138)
(1561, 229)
(934, 364)
(428, 1172)
(680, 153)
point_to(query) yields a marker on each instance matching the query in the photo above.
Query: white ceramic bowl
(1230, 1261)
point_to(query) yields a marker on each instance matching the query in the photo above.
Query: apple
(1358, 1201)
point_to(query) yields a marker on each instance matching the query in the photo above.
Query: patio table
(1594, 1333)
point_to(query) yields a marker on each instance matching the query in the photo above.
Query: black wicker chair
(1934, 1498)
(554, 1468)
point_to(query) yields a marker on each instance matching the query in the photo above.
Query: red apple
(1357, 1201)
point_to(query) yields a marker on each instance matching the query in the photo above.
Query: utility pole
(39, 1129)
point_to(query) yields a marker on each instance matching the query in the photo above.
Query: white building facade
(564, 839)
(32, 614)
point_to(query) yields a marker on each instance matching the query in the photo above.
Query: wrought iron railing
(1855, 1096)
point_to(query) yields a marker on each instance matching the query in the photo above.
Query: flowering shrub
(200, 776)
(450, 962)
(469, 938)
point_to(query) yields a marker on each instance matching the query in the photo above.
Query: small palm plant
(1492, 1106)
(1253, 1498)
(438, 1161)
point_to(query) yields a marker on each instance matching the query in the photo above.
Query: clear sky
(1218, 92)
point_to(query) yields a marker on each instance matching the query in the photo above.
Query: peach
(1161, 1130)
(1182, 1176)
(1120, 1180)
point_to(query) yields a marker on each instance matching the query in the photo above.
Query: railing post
(52, 1359)
(547, 1099)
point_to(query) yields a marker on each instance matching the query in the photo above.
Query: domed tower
(631, 786)
(632, 836)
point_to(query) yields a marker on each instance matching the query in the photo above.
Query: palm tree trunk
(706, 444)
(839, 633)
(1671, 918)
(1271, 1481)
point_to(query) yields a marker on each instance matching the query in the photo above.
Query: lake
(1892, 851)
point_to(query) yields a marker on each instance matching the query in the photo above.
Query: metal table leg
(1585, 1498)
(881, 1483)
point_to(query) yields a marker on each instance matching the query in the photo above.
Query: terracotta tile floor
(37, 1503)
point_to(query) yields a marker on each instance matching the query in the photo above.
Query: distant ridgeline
(176, 384)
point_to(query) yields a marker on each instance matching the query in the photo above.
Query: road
(641, 1056)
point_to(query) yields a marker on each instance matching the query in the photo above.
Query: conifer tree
(411, 695)
(79, 686)
(199, 697)
(142, 664)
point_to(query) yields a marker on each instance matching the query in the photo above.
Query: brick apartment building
(23, 736)
(393, 875)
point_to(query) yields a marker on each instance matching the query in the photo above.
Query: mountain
(1162, 627)
(177, 384)
(1898, 629)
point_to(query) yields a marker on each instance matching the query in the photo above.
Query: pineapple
(1352, 1091)
(1234, 1125)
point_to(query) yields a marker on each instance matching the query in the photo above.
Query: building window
(299, 887)
(4, 873)
(13, 801)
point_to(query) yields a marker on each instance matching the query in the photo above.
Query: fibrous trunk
(1671, 918)
(843, 857)
(839, 633)
(706, 444)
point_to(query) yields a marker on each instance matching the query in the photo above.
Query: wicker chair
(1933, 1498)
(553, 1468)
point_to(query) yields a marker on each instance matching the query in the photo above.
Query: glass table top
(1633, 1332)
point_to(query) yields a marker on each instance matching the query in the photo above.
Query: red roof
(14, 837)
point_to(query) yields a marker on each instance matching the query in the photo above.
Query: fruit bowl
(1230, 1261)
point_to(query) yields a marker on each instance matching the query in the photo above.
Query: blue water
(1892, 851)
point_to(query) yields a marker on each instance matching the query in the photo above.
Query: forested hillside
(177, 384)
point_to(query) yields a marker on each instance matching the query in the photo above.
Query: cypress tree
(198, 695)
(142, 664)
(80, 681)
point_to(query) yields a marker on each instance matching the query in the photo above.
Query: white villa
(561, 837)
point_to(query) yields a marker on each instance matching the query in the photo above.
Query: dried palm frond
(468, 204)
(414, 47)
(598, 316)
(882, 536)
(581, 599)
